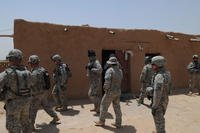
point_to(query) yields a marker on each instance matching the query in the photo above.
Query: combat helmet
(33, 59)
(158, 60)
(112, 61)
(91, 53)
(56, 57)
(14, 55)
(195, 56)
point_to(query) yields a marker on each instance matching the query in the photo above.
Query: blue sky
(165, 15)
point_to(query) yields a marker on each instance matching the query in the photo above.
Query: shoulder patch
(159, 78)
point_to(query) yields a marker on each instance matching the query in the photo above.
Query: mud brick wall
(72, 43)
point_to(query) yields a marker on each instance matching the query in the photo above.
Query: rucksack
(69, 74)
(23, 82)
(47, 80)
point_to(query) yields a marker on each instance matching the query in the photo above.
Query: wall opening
(151, 55)
(125, 66)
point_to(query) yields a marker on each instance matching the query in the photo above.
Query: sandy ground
(183, 116)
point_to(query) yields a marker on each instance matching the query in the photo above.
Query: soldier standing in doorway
(94, 71)
(61, 74)
(194, 71)
(40, 91)
(112, 88)
(15, 85)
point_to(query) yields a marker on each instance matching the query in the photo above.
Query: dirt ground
(183, 116)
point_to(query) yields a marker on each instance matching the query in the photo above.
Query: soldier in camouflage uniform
(194, 71)
(112, 87)
(61, 74)
(145, 79)
(15, 84)
(161, 85)
(41, 85)
(94, 71)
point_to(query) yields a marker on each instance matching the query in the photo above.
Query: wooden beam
(6, 36)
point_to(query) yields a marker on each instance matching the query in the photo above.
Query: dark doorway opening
(125, 66)
(106, 54)
(151, 55)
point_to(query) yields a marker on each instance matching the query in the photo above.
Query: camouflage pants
(105, 103)
(95, 98)
(38, 102)
(159, 120)
(17, 115)
(59, 95)
(194, 81)
(143, 92)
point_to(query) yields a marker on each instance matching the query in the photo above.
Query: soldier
(145, 79)
(161, 84)
(15, 83)
(61, 74)
(112, 87)
(94, 71)
(41, 86)
(194, 71)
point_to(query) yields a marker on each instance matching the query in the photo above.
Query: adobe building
(3, 65)
(130, 46)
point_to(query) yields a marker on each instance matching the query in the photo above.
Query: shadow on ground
(108, 115)
(47, 128)
(70, 112)
(123, 129)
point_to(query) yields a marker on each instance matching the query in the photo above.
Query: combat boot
(64, 108)
(33, 128)
(58, 107)
(116, 125)
(55, 119)
(99, 123)
(93, 110)
(139, 101)
(189, 93)
(97, 110)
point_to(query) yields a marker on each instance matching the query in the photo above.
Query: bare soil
(183, 116)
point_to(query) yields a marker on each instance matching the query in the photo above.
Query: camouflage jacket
(193, 67)
(38, 80)
(113, 79)
(161, 86)
(94, 75)
(146, 75)
(61, 74)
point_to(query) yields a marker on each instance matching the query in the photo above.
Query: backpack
(67, 69)
(19, 83)
(23, 82)
(47, 80)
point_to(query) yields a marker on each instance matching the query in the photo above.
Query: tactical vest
(40, 80)
(19, 83)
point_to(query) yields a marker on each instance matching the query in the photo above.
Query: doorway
(151, 55)
(125, 66)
